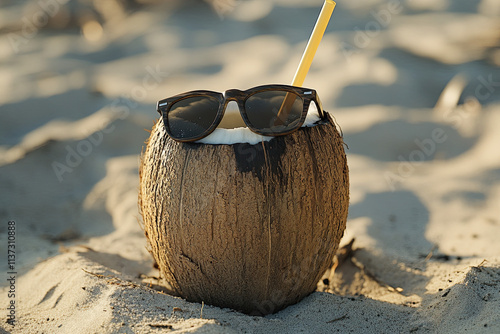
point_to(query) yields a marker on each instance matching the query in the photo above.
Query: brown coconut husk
(250, 227)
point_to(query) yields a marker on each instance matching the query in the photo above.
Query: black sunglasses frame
(240, 96)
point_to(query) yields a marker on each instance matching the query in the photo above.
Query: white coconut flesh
(233, 130)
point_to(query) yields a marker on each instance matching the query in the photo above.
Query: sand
(414, 85)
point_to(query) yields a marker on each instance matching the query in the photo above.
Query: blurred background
(413, 84)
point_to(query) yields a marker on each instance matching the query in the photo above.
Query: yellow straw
(314, 40)
(307, 58)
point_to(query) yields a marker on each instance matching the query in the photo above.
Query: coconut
(247, 225)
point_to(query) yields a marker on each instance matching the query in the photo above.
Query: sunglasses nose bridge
(232, 92)
(233, 95)
(232, 110)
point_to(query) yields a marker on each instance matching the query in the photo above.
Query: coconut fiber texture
(250, 227)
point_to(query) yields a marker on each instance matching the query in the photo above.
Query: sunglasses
(270, 110)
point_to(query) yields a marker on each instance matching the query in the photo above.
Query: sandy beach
(414, 86)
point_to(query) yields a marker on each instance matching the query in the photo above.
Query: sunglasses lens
(191, 117)
(274, 112)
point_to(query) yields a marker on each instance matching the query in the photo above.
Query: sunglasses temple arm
(158, 107)
(287, 104)
(321, 112)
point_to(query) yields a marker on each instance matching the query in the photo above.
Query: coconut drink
(244, 206)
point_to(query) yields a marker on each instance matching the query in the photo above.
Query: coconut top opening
(233, 130)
